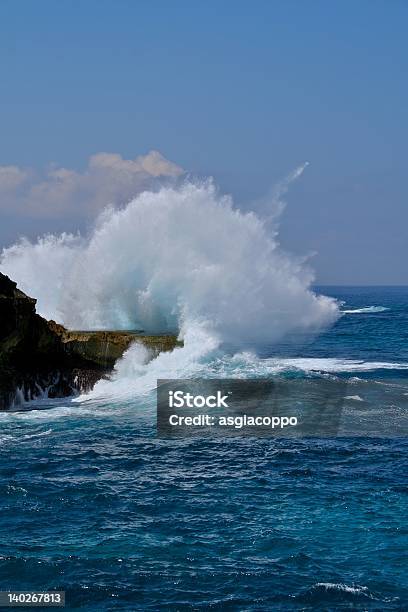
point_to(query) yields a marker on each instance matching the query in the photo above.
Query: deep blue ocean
(93, 503)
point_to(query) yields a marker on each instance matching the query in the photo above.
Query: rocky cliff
(42, 358)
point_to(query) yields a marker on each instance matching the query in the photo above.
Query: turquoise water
(94, 504)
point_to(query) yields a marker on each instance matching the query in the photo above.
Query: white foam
(200, 358)
(333, 586)
(248, 364)
(336, 365)
(365, 310)
(37, 435)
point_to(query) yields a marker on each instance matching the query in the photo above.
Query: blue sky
(242, 91)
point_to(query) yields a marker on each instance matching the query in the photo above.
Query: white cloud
(12, 177)
(107, 180)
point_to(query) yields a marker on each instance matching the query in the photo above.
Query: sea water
(93, 503)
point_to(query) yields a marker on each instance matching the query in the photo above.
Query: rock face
(103, 348)
(42, 358)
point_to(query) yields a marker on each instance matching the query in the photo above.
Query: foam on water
(249, 364)
(365, 310)
(334, 365)
(134, 375)
(355, 398)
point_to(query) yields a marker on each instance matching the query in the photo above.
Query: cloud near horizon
(60, 192)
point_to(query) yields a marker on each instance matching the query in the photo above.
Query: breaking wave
(174, 260)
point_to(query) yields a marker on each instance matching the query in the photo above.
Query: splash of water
(168, 259)
(181, 259)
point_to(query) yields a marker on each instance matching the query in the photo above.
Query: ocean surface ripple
(93, 503)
